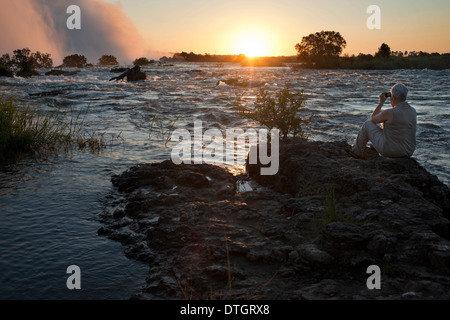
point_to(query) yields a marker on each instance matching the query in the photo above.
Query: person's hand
(383, 97)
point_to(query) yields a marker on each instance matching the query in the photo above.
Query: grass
(330, 205)
(331, 214)
(26, 129)
(228, 267)
(163, 128)
(189, 292)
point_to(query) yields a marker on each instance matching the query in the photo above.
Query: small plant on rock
(281, 110)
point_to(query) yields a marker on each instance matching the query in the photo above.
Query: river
(50, 207)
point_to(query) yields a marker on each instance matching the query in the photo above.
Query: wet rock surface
(61, 73)
(309, 232)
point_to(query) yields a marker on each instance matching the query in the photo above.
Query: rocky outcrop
(118, 70)
(47, 93)
(61, 73)
(4, 72)
(133, 74)
(309, 232)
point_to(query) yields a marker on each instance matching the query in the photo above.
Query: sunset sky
(154, 28)
(219, 27)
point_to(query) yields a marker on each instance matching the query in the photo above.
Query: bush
(25, 62)
(43, 60)
(143, 62)
(279, 111)
(75, 61)
(108, 60)
(25, 129)
(5, 62)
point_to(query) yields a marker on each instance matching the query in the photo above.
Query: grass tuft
(26, 129)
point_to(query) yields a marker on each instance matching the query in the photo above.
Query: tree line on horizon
(323, 50)
(25, 63)
(318, 50)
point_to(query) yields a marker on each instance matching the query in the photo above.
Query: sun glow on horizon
(252, 44)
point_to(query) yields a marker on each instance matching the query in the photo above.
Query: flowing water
(49, 208)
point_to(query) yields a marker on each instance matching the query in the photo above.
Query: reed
(330, 205)
(26, 129)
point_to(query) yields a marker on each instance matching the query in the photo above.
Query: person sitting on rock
(397, 137)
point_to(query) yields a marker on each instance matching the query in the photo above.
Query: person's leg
(369, 131)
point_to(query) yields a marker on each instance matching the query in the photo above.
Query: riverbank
(309, 232)
(369, 62)
(413, 60)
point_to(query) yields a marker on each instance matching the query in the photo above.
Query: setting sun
(252, 44)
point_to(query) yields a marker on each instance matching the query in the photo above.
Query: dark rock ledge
(284, 240)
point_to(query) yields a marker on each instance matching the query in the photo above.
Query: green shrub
(108, 60)
(143, 62)
(330, 205)
(75, 61)
(25, 62)
(25, 129)
(281, 110)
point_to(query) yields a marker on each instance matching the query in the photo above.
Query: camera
(387, 95)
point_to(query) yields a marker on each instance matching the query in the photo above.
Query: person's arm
(379, 116)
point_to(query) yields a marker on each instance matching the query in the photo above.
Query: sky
(153, 28)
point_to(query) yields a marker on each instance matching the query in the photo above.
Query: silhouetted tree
(384, 51)
(75, 61)
(5, 62)
(108, 60)
(25, 62)
(320, 46)
(142, 62)
(43, 60)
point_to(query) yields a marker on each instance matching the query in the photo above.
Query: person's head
(399, 94)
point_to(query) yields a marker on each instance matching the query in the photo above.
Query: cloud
(41, 26)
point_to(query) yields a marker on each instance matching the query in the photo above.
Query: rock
(133, 74)
(315, 255)
(5, 73)
(281, 240)
(344, 235)
(194, 179)
(118, 70)
(377, 245)
(233, 82)
(47, 93)
(27, 74)
(61, 73)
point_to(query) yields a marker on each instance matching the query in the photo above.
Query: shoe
(370, 153)
(353, 154)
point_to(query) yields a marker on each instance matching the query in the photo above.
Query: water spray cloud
(41, 26)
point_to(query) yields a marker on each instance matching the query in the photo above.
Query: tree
(43, 60)
(279, 111)
(25, 62)
(384, 51)
(75, 61)
(320, 46)
(5, 62)
(108, 60)
(142, 62)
